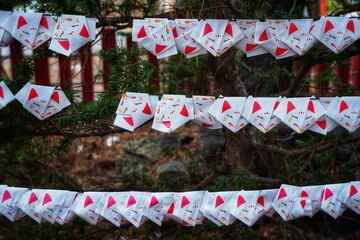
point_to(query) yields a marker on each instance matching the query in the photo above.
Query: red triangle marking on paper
(327, 194)
(21, 22)
(229, 29)
(276, 105)
(6, 196)
(84, 32)
(282, 193)
(88, 201)
(142, 32)
(55, 97)
(311, 106)
(304, 194)
(171, 209)
(184, 223)
(303, 202)
(32, 198)
(351, 26)
(1, 92)
(218, 201)
(256, 107)
(167, 124)
(312, 27)
(328, 26)
(353, 191)
(240, 201)
(321, 124)
(290, 107)
(280, 51)
(184, 112)
(189, 49)
(47, 198)
(292, 28)
(44, 23)
(184, 201)
(343, 106)
(226, 106)
(176, 35)
(147, 109)
(207, 29)
(159, 48)
(206, 125)
(111, 202)
(131, 201)
(249, 47)
(261, 201)
(65, 44)
(153, 201)
(33, 94)
(264, 36)
(129, 120)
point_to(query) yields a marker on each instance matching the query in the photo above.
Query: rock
(172, 173)
(210, 142)
(155, 147)
(132, 166)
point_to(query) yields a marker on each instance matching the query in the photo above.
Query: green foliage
(238, 180)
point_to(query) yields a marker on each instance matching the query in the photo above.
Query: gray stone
(155, 147)
(210, 142)
(172, 167)
(132, 165)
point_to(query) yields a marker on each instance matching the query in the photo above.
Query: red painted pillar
(86, 73)
(65, 72)
(154, 61)
(354, 73)
(16, 51)
(41, 65)
(108, 41)
(316, 74)
(129, 42)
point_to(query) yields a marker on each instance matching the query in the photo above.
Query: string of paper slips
(320, 115)
(187, 208)
(163, 37)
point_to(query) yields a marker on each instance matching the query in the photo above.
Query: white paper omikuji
(172, 112)
(247, 44)
(42, 101)
(298, 36)
(331, 203)
(350, 196)
(217, 36)
(157, 205)
(244, 206)
(218, 204)
(155, 35)
(10, 197)
(202, 116)
(308, 203)
(5, 36)
(108, 208)
(203, 209)
(264, 204)
(87, 205)
(6, 95)
(227, 110)
(324, 124)
(345, 112)
(135, 109)
(187, 206)
(259, 112)
(2, 188)
(299, 113)
(269, 34)
(71, 33)
(29, 202)
(285, 201)
(182, 30)
(132, 207)
(65, 214)
(50, 205)
(337, 33)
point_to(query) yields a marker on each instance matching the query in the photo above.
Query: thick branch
(235, 10)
